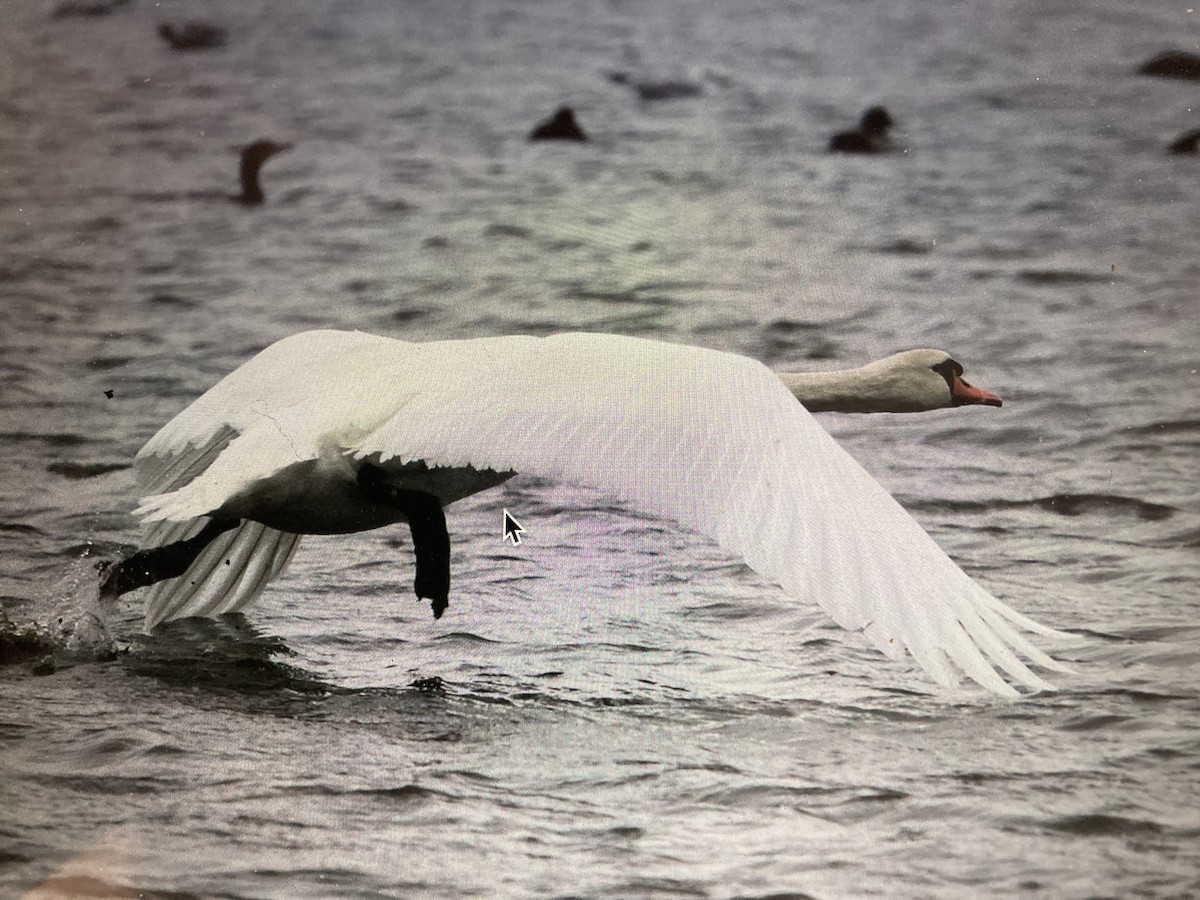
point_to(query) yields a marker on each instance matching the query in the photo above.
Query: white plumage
(711, 440)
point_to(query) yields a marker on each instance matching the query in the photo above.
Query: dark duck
(253, 157)
(1188, 142)
(1173, 64)
(871, 136)
(192, 35)
(559, 127)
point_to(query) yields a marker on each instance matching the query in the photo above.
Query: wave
(1063, 276)
(1102, 824)
(1070, 505)
(77, 471)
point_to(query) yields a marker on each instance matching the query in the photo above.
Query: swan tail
(227, 576)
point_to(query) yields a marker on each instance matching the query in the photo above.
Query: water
(614, 708)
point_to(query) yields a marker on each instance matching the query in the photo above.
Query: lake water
(615, 708)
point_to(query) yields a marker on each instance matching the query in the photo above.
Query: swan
(871, 136)
(334, 432)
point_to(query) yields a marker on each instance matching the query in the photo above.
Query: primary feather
(710, 439)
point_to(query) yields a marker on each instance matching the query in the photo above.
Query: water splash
(68, 623)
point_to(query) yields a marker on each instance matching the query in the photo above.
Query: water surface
(615, 708)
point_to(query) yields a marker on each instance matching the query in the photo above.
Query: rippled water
(614, 708)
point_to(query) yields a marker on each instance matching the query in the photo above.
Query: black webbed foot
(147, 567)
(431, 540)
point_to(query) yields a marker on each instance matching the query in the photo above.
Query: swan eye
(949, 369)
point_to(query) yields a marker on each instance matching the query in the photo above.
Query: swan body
(712, 440)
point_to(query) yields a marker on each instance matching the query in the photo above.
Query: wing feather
(209, 586)
(257, 554)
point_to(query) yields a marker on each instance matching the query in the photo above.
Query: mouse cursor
(512, 529)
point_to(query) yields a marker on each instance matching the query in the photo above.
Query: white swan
(332, 432)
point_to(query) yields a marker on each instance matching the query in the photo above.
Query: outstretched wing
(717, 443)
(712, 440)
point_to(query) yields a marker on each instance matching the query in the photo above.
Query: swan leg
(147, 567)
(431, 540)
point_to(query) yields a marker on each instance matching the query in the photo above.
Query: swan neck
(845, 390)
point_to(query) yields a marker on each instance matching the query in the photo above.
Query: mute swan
(333, 432)
(871, 136)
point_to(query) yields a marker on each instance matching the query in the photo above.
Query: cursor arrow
(512, 529)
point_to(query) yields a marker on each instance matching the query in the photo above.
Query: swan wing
(227, 576)
(231, 571)
(278, 378)
(281, 407)
(717, 443)
(709, 439)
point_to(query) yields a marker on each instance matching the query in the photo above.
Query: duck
(1188, 142)
(1173, 64)
(871, 136)
(328, 432)
(252, 158)
(562, 126)
(192, 35)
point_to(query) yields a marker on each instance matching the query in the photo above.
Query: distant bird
(559, 127)
(1186, 143)
(87, 8)
(330, 432)
(1173, 64)
(192, 35)
(253, 157)
(649, 90)
(871, 136)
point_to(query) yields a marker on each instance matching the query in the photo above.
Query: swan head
(922, 380)
(912, 381)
